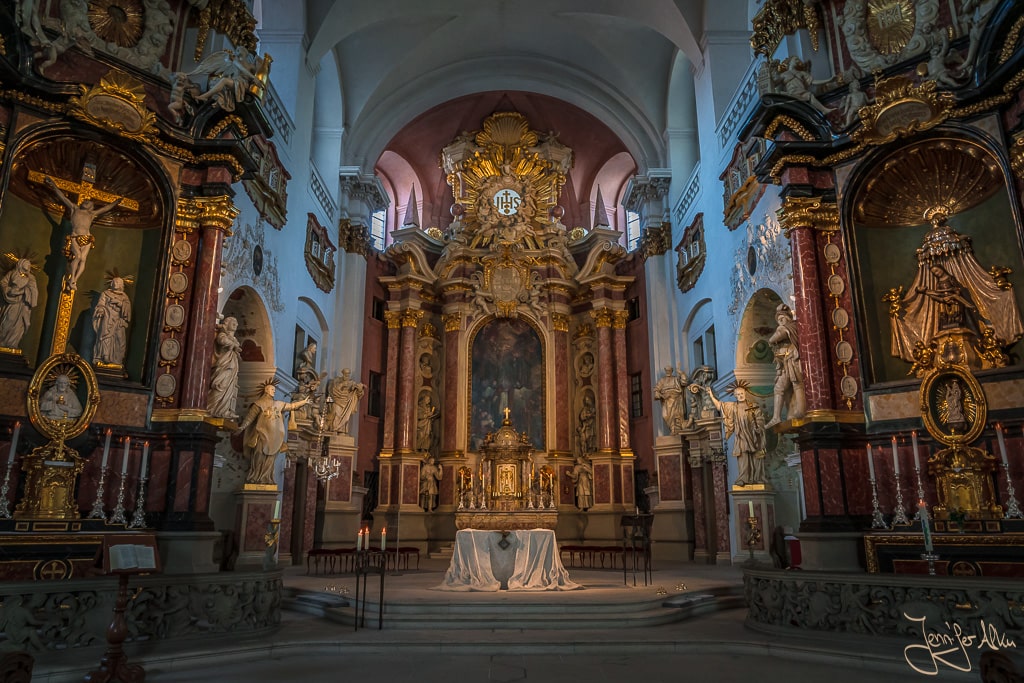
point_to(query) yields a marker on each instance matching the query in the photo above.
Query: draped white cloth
(529, 562)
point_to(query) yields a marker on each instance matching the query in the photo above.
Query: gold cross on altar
(507, 411)
(84, 189)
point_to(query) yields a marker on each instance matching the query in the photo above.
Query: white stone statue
(60, 402)
(794, 78)
(586, 436)
(426, 415)
(20, 294)
(852, 104)
(230, 74)
(81, 239)
(582, 475)
(223, 396)
(345, 393)
(430, 474)
(789, 376)
(28, 20)
(110, 321)
(669, 390)
(263, 429)
(744, 418)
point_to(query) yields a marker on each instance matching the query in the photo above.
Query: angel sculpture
(230, 76)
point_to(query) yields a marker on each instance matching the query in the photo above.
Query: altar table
(522, 560)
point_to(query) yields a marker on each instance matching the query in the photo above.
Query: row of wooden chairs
(335, 560)
(595, 556)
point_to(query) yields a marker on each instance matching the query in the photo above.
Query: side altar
(508, 493)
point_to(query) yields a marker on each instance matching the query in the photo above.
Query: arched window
(632, 229)
(377, 222)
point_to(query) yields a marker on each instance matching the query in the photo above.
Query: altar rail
(891, 605)
(57, 615)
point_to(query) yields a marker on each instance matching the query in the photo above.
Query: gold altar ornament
(62, 400)
(117, 104)
(955, 411)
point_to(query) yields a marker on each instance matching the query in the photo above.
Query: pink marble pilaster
(670, 478)
(606, 405)
(391, 381)
(720, 487)
(815, 358)
(621, 381)
(405, 429)
(564, 426)
(449, 431)
(602, 484)
(700, 537)
(195, 380)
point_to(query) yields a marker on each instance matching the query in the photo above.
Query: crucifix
(507, 411)
(81, 240)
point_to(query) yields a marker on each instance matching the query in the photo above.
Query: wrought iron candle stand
(877, 518)
(139, 518)
(97, 505)
(5, 510)
(117, 517)
(1012, 506)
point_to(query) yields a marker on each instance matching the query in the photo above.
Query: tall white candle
(895, 459)
(106, 450)
(145, 460)
(383, 538)
(14, 443)
(1002, 444)
(913, 439)
(925, 529)
(277, 509)
(871, 464)
(124, 460)
(359, 540)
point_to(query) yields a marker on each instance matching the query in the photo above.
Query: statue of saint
(426, 414)
(110, 321)
(345, 393)
(264, 433)
(430, 474)
(60, 402)
(223, 396)
(81, 239)
(744, 418)
(309, 380)
(698, 404)
(20, 295)
(582, 475)
(669, 390)
(586, 437)
(789, 376)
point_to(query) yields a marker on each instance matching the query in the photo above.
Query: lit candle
(124, 460)
(383, 538)
(895, 459)
(145, 460)
(925, 529)
(277, 509)
(913, 439)
(359, 540)
(871, 464)
(750, 508)
(1002, 445)
(106, 451)
(14, 443)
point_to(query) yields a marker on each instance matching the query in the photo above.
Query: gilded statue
(81, 239)
(19, 294)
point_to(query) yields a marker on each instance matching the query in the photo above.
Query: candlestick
(925, 528)
(383, 538)
(14, 444)
(106, 451)
(139, 517)
(1002, 444)
(913, 439)
(144, 467)
(97, 505)
(1012, 506)
(124, 458)
(117, 517)
(895, 459)
(871, 464)
(877, 519)
(900, 516)
(920, 493)
(5, 512)
(359, 540)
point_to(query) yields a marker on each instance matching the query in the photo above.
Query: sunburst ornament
(890, 24)
(117, 21)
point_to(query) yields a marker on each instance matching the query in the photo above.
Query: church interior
(628, 324)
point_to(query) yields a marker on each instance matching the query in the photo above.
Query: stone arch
(755, 361)
(399, 178)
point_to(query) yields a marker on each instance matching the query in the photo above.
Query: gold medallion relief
(890, 25)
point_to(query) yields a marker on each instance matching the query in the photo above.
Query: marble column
(393, 320)
(621, 383)
(450, 401)
(405, 428)
(216, 215)
(606, 405)
(563, 380)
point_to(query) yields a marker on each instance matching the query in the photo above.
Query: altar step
(445, 553)
(503, 611)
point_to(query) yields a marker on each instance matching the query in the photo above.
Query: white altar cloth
(529, 562)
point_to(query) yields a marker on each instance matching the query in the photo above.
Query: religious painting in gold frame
(953, 406)
(63, 396)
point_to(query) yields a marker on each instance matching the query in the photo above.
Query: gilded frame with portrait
(953, 405)
(63, 396)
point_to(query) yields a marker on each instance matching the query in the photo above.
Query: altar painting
(507, 372)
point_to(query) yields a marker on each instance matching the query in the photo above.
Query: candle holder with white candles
(877, 518)
(118, 516)
(97, 504)
(5, 510)
(139, 518)
(899, 517)
(1012, 506)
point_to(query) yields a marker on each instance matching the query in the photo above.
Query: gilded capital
(603, 317)
(452, 322)
(186, 217)
(621, 318)
(217, 212)
(808, 212)
(560, 322)
(393, 319)
(411, 317)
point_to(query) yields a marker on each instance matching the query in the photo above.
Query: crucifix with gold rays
(77, 245)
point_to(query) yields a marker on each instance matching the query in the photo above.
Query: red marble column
(391, 382)
(606, 407)
(563, 380)
(621, 381)
(811, 324)
(216, 217)
(405, 429)
(449, 431)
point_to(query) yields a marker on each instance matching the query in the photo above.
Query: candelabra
(1012, 506)
(900, 516)
(139, 518)
(97, 505)
(920, 494)
(5, 512)
(117, 517)
(931, 559)
(877, 518)
(753, 538)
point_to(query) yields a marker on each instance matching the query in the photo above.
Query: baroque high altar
(508, 324)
